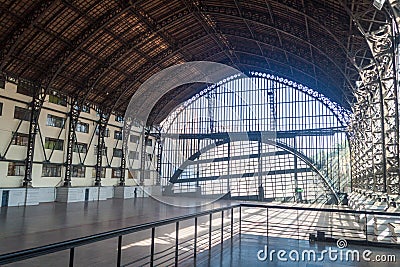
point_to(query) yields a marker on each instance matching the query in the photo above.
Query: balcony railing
(191, 234)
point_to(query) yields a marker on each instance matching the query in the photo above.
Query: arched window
(264, 138)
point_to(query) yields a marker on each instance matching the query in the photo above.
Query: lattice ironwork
(375, 125)
(104, 116)
(36, 104)
(73, 120)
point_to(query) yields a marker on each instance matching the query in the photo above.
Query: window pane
(149, 142)
(134, 139)
(20, 139)
(16, 169)
(118, 135)
(58, 99)
(56, 144)
(55, 121)
(22, 113)
(82, 127)
(117, 152)
(80, 147)
(51, 170)
(78, 171)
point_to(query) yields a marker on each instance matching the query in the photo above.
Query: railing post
(210, 232)
(153, 233)
(222, 227)
(176, 243)
(119, 251)
(366, 225)
(267, 224)
(231, 224)
(331, 222)
(71, 257)
(240, 220)
(195, 240)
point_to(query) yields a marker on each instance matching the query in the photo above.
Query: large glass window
(263, 132)
(103, 172)
(119, 118)
(149, 142)
(104, 150)
(86, 108)
(134, 139)
(25, 88)
(106, 132)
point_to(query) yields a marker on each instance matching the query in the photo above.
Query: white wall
(10, 98)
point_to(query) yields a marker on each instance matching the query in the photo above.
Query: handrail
(77, 242)
(71, 244)
(368, 212)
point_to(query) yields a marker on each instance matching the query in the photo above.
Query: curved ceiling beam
(66, 56)
(292, 36)
(251, 32)
(308, 17)
(165, 108)
(175, 177)
(125, 51)
(161, 57)
(18, 32)
(131, 83)
(211, 29)
(290, 53)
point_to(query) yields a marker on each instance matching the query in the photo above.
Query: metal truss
(104, 117)
(36, 104)
(73, 120)
(16, 37)
(375, 124)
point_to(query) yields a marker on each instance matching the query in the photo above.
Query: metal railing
(208, 228)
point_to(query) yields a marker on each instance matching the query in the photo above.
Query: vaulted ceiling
(104, 50)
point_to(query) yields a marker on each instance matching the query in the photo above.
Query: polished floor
(32, 226)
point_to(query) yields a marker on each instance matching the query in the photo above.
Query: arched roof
(104, 50)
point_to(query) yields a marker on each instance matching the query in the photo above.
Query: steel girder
(73, 121)
(36, 104)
